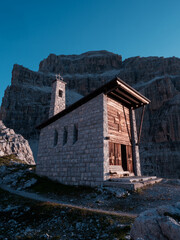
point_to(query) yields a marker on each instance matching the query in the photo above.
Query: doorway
(121, 155)
(124, 157)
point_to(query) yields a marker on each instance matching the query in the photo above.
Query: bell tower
(58, 96)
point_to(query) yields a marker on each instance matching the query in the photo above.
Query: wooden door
(115, 154)
(129, 158)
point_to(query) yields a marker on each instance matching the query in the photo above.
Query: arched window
(55, 137)
(75, 133)
(65, 135)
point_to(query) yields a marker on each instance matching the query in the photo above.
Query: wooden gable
(119, 129)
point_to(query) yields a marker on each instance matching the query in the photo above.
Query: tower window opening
(60, 93)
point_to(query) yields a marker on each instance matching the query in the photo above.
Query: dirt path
(37, 197)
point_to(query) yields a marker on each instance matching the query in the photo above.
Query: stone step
(132, 185)
(133, 179)
(118, 170)
(121, 174)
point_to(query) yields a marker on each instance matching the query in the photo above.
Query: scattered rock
(172, 181)
(10, 208)
(3, 171)
(29, 183)
(117, 192)
(12, 178)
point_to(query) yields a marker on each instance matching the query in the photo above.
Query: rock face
(12, 143)
(84, 72)
(158, 224)
(26, 102)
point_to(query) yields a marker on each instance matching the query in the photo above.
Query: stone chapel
(95, 138)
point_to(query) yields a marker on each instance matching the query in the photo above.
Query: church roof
(116, 89)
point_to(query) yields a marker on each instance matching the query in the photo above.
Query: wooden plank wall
(118, 122)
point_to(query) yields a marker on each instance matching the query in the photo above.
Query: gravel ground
(166, 192)
(22, 218)
(22, 177)
(29, 219)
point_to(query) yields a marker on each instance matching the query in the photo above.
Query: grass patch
(9, 160)
(139, 190)
(121, 233)
(45, 185)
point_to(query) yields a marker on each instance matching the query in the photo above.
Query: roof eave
(132, 91)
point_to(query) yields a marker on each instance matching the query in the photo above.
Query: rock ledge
(12, 143)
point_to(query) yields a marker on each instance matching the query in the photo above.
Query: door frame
(115, 157)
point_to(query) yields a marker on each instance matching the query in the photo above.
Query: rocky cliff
(83, 72)
(12, 143)
(26, 101)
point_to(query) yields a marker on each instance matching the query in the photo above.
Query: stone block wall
(82, 162)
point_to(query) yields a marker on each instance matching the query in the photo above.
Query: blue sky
(30, 30)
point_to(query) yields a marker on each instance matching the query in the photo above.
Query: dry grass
(10, 160)
(45, 185)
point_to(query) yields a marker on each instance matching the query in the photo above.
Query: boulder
(161, 223)
(12, 143)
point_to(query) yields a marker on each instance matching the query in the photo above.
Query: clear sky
(32, 29)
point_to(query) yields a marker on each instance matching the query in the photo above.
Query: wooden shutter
(118, 154)
(129, 158)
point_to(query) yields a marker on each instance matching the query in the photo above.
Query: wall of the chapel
(80, 163)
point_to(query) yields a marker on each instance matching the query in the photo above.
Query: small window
(60, 93)
(55, 137)
(75, 133)
(65, 135)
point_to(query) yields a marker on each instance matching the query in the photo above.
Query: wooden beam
(110, 90)
(118, 100)
(123, 99)
(133, 93)
(128, 97)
